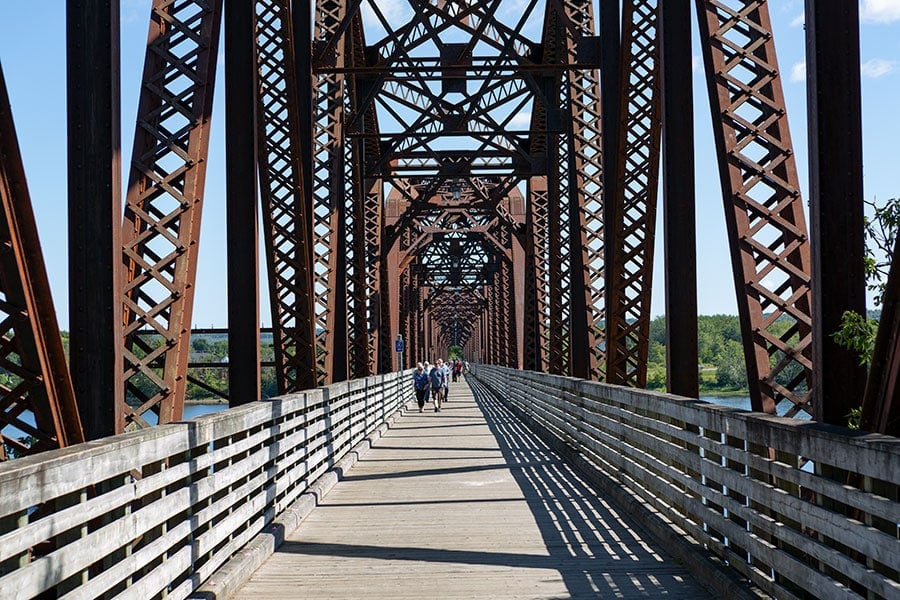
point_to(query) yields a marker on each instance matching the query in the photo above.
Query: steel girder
(764, 211)
(564, 244)
(161, 229)
(284, 199)
(412, 75)
(585, 187)
(329, 247)
(34, 376)
(629, 268)
(452, 251)
(881, 403)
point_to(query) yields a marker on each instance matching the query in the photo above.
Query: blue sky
(32, 51)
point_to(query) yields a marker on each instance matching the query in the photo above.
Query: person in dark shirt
(420, 383)
(437, 378)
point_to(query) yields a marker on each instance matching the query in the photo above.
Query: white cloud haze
(880, 11)
(877, 67)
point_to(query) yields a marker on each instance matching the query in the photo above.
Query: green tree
(857, 333)
(201, 345)
(731, 371)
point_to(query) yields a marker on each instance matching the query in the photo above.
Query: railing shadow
(599, 554)
(582, 536)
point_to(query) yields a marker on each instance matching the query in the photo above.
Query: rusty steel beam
(329, 181)
(836, 201)
(585, 188)
(31, 354)
(881, 401)
(535, 325)
(682, 363)
(284, 198)
(630, 260)
(564, 227)
(770, 248)
(368, 338)
(95, 213)
(242, 220)
(161, 227)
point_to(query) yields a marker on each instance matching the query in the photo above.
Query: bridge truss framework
(444, 175)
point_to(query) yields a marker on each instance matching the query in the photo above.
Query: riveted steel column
(836, 201)
(678, 201)
(611, 56)
(95, 213)
(301, 13)
(242, 226)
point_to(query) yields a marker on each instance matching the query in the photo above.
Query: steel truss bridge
(458, 173)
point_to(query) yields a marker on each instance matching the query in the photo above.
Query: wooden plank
(456, 505)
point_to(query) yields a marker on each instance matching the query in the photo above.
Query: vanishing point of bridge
(446, 176)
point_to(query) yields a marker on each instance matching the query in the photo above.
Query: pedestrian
(421, 385)
(436, 377)
(445, 367)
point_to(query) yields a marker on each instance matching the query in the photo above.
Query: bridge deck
(467, 503)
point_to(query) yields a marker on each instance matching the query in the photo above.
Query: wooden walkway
(466, 503)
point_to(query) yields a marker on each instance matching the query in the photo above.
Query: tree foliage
(857, 333)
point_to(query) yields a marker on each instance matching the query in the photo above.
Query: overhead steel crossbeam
(281, 174)
(443, 95)
(630, 269)
(764, 211)
(452, 247)
(37, 403)
(161, 229)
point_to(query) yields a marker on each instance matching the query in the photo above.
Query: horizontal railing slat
(167, 506)
(732, 480)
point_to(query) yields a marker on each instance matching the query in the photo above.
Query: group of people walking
(434, 382)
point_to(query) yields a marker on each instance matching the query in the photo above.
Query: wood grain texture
(466, 503)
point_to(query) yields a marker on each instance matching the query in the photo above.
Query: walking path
(466, 503)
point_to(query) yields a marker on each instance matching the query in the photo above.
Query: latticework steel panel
(451, 82)
(585, 189)
(161, 228)
(637, 174)
(36, 395)
(285, 213)
(764, 210)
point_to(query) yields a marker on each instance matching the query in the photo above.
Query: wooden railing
(154, 513)
(801, 509)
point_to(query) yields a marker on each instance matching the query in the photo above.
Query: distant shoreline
(213, 400)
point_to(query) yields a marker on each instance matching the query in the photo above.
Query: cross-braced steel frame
(431, 106)
(35, 379)
(629, 269)
(285, 209)
(392, 152)
(161, 230)
(763, 208)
